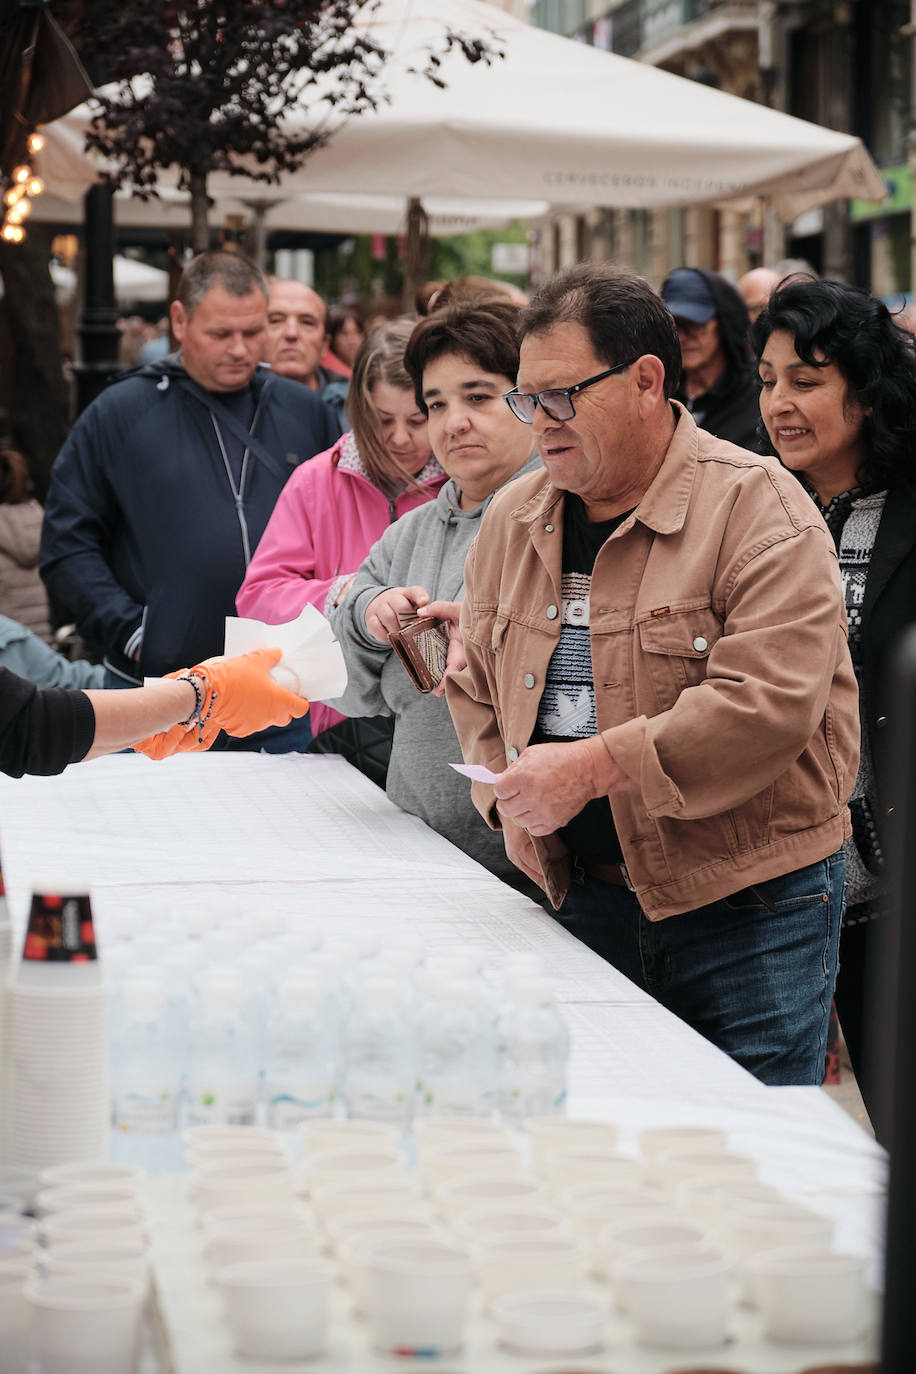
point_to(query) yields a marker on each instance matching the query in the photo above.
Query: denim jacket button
(700, 644)
(529, 679)
(512, 754)
(552, 612)
(549, 529)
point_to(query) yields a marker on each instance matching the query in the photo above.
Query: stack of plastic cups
(59, 1037)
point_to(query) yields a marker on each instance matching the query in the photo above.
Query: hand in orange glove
(191, 735)
(244, 697)
(238, 695)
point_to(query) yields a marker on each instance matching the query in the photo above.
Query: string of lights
(23, 186)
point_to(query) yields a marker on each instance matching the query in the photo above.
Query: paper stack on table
(312, 663)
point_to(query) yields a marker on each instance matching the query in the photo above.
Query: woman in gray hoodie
(463, 359)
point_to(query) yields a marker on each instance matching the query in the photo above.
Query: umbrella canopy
(554, 121)
(133, 282)
(329, 213)
(41, 76)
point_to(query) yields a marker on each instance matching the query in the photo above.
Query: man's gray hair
(621, 314)
(237, 275)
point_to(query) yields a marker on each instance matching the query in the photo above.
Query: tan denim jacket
(723, 681)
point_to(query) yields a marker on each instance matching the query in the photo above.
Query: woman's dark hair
(15, 482)
(483, 330)
(338, 315)
(834, 323)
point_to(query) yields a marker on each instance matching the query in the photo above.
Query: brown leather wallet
(422, 647)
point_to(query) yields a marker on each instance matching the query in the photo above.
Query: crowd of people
(666, 532)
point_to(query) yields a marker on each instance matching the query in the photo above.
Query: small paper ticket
(475, 771)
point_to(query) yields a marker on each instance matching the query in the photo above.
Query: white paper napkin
(312, 663)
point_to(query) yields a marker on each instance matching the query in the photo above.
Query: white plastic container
(551, 1322)
(277, 1310)
(517, 1266)
(418, 1296)
(85, 1325)
(810, 1295)
(676, 1298)
(15, 1315)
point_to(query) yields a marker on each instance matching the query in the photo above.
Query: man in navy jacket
(164, 486)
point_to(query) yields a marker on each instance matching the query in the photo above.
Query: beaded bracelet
(200, 694)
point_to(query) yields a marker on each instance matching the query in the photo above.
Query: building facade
(842, 63)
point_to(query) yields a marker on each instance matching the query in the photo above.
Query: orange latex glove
(182, 739)
(240, 697)
(244, 697)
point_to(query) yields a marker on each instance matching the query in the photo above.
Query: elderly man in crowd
(166, 483)
(657, 668)
(718, 386)
(296, 339)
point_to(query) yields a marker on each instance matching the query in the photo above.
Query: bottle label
(146, 1113)
(291, 1103)
(229, 1105)
(60, 930)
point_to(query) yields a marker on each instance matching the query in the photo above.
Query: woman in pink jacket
(334, 507)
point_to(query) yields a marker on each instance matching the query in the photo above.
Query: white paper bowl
(551, 1322)
(538, 1262)
(810, 1295)
(277, 1310)
(418, 1295)
(85, 1325)
(467, 1191)
(676, 1298)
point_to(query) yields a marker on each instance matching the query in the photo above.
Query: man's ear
(650, 381)
(178, 320)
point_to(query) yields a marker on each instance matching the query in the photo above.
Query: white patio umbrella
(133, 281)
(553, 121)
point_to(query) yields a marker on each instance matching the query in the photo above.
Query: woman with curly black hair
(838, 399)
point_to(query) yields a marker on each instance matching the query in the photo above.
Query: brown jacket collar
(664, 506)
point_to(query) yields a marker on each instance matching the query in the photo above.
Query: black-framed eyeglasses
(557, 402)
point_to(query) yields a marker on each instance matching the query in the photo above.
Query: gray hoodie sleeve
(365, 657)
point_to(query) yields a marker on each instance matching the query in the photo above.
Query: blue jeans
(753, 972)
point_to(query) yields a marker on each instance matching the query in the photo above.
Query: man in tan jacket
(657, 668)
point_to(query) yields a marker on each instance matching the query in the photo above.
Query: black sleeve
(42, 732)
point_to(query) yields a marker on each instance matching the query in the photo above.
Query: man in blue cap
(717, 384)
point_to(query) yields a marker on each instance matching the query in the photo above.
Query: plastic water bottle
(299, 1054)
(379, 1054)
(145, 1077)
(534, 1052)
(222, 1058)
(457, 1051)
